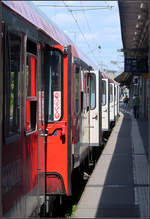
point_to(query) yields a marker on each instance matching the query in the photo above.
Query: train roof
(36, 17)
(106, 77)
(109, 79)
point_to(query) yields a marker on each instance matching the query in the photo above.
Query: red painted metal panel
(12, 188)
(57, 144)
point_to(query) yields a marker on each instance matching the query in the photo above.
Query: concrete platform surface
(119, 185)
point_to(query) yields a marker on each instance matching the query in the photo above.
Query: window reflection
(53, 98)
(77, 89)
(103, 92)
(31, 99)
(111, 93)
(93, 92)
(13, 54)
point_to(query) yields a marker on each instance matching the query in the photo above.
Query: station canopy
(134, 29)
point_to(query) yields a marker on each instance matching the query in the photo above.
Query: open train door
(112, 102)
(105, 105)
(41, 124)
(58, 120)
(95, 118)
(84, 129)
(116, 99)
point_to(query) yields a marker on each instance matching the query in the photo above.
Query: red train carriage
(22, 164)
(42, 106)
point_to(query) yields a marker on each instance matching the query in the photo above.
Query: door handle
(43, 135)
(60, 127)
(95, 117)
(105, 111)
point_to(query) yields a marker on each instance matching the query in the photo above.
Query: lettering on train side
(57, 105)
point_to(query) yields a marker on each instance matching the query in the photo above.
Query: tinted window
(31, 76)
(93, 92)
(53, 70)
(12, 103)
(77, 90)
(31, 98)
(116, 93)
(111, 92)
(103, 92)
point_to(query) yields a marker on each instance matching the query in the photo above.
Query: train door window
(13, 72)
(103, 92)
(92, 91)
(77, 89)
(111, 92)
(82, 101)
(54, 79)
(31, 92)
(115, 93)
(84, 92)
(87, 91)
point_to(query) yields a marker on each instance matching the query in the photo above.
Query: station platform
(119, 184)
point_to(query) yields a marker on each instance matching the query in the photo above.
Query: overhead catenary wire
(67, 6)
(88, 25)
(81, 8)
(84, 14)
(91, 9)
(74, 6)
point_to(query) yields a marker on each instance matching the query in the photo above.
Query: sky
(96, 32)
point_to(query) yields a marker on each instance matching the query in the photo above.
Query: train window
(85, 92)
(114, 93)
(31, 76)
(31, 47)
(111, 92)
(103, 92)
(13, 69)
(31, 98)
(53, 93)
(93, 92)
(77, 89)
